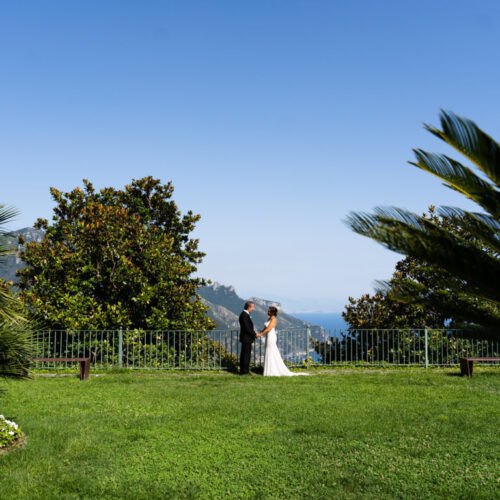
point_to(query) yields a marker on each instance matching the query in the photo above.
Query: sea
(329, 321)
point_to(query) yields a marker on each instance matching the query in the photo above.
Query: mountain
(225, 306)
(11, 263)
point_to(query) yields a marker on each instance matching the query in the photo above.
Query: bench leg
(470, 368)
(84, 369)
(463, 366)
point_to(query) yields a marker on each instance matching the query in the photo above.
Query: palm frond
(456, 307)
(469, 255)
(10, 308)
(9, 305)
(410, 234)
(15, 350)
(460, 178)
(486, 219)
(485, 229)
(465, 136)
(7, 214)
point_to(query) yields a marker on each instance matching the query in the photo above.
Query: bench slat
(84, 364)
(482, 359)
(60, 359)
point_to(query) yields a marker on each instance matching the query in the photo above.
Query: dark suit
(247, 337)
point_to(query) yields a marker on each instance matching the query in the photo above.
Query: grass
(343, 434)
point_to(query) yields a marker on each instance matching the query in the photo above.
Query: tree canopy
(116, 258)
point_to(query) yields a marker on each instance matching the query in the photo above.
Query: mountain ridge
(225, 306)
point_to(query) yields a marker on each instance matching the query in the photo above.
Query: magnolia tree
(116, 258)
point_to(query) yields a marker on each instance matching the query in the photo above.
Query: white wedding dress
(273, 362)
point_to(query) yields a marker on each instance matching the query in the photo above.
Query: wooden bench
(84, 364)
(467, 364)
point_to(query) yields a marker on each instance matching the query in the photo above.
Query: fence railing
(417, 347)
(220, 349)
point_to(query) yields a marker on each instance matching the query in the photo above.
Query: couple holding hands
(273, 362)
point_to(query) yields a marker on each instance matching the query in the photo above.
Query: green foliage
(9, 432)
(383, 310)
(16, 349)
(116, 258)
(140, 349)
(9, 305)
(400, 347)
(15, 333)
(358, 434)
(470, 257)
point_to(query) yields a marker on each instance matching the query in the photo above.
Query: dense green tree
(471, 292)
(116, 258)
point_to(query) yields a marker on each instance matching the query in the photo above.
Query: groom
(247, 337)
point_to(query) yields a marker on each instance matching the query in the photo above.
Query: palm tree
(473, 262)
(15, 330)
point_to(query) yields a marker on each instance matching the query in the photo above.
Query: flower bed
(10, 433)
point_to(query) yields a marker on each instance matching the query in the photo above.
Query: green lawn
(344, 434)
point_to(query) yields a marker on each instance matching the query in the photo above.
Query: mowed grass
(344, 434)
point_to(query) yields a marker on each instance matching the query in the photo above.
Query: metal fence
(415, 347)
(220, 349)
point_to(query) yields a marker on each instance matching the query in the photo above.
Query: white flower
(2, 417)
(11, 433)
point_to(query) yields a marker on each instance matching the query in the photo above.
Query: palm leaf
(465, 136)
(409, 234)
(7, 214)
(460, 178)
(455, 306)
(15, 350)
(485, 228)
(9, 305)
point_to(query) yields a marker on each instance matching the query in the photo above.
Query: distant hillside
(11, 263)
(226, 305)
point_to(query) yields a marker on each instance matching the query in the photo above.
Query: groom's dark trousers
(247, 337)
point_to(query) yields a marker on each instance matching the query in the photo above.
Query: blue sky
(273, 119)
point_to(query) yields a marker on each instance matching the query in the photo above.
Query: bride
(273, 363)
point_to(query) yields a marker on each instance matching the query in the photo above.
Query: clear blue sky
(273, 119)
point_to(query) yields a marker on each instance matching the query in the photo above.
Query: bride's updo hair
(273, 311)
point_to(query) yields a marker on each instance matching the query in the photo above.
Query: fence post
(120, 347)
(426, 350)
(308, 334)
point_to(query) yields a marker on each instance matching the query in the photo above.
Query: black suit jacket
(247, 331)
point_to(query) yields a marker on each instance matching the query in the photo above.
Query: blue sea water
(329, 321)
